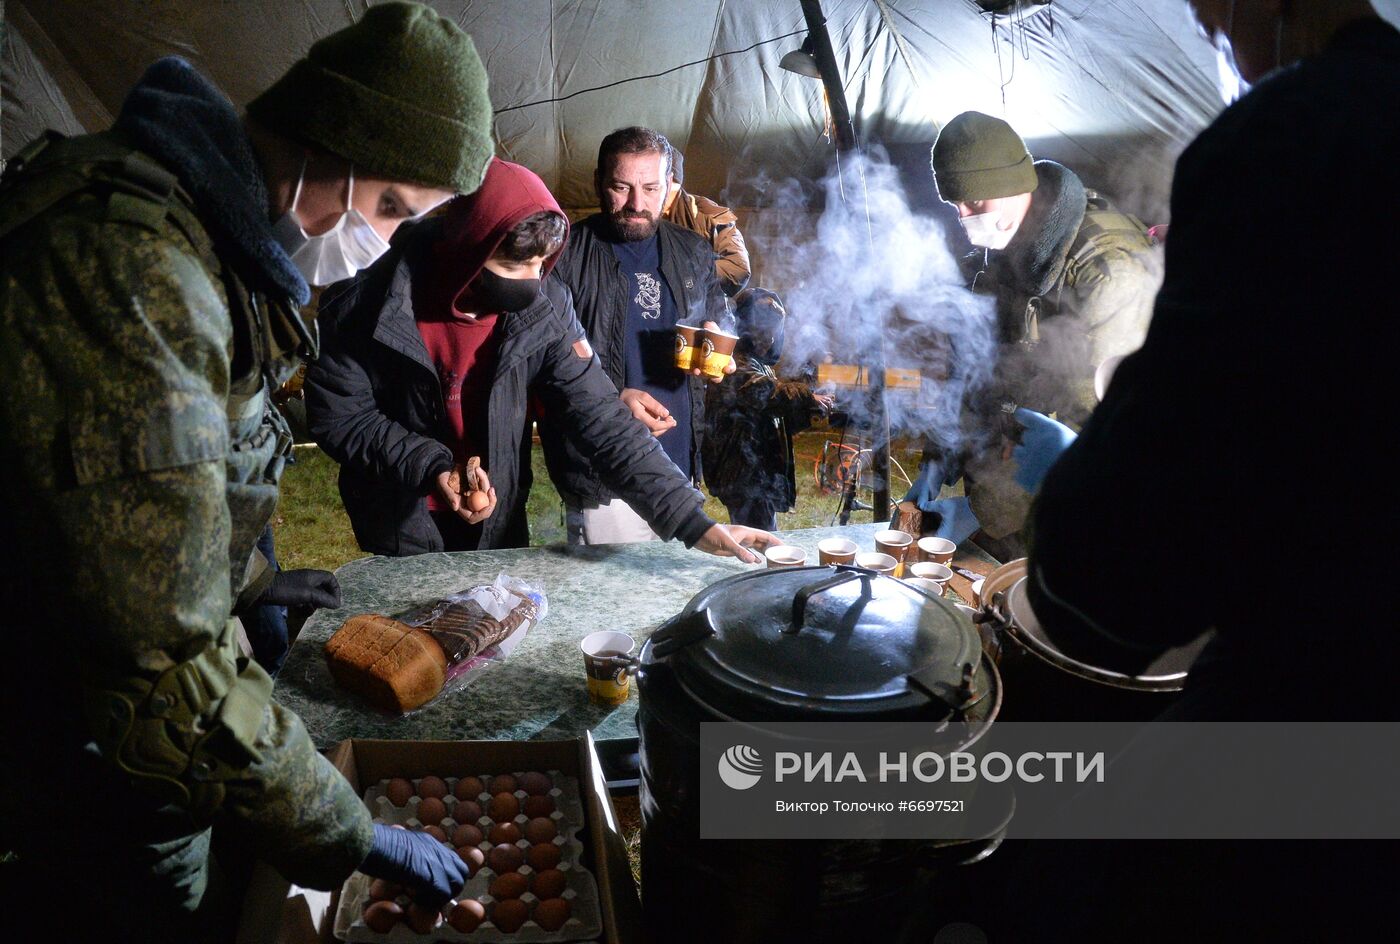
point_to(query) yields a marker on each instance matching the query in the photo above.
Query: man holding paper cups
(634, 279)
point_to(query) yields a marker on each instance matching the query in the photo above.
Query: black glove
(313, 588)
(431, 871)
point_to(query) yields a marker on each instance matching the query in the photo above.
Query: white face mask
(1232, 85)
(982, 230)
(347, 247)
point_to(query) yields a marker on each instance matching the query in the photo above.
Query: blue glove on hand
(1041, 445)
(431, 871)
(958, 522)
(923, 491)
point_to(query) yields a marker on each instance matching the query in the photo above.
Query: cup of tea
(687, 345)
(836, 551)
(785, 555)
(896, 544)
(938, 550)
(928, 570)
(609, 664)
(879, 562)
(717, 350)
(931, 587)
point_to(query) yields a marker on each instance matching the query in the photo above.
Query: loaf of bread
(393, 666)
(465, 629)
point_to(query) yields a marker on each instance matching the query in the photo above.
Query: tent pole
(874, 356)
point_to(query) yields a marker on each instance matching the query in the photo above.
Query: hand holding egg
(478, 497)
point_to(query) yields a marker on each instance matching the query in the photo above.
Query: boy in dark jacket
(428, 360)
(748, 459)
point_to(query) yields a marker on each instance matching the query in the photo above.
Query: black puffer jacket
(374, 404)
(600, 289)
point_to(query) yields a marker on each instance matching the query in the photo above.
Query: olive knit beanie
(978, 157)
(401, 94)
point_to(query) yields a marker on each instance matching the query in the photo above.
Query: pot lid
(798, 642)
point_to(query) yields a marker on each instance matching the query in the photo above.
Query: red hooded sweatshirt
(464, 347)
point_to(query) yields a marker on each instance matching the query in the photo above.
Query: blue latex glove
(958, 522)
(1041, 446)
(431, 871)
(923, 491)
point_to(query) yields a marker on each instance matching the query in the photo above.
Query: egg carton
(565, 792)
(585, 920)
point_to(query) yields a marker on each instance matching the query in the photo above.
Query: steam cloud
(854, 282)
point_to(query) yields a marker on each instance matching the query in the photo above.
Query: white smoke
(872, 271)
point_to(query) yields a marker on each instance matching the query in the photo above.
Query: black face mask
(498, 293)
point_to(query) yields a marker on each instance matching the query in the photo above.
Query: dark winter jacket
(600, 289)
(375, 405)
(1246, 433)
(748, 447)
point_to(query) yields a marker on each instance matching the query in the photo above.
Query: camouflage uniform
(140, 456)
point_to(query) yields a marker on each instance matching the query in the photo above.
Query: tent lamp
(802, 61)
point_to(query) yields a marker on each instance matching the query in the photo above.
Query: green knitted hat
(978, 157)
(401, 93)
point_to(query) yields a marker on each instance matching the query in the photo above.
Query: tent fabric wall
(1113, 88)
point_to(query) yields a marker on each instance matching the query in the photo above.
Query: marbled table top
(539, 691)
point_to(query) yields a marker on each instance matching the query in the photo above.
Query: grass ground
(312, 529)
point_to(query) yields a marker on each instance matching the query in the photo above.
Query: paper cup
(836, 551)
(785, 555)
(931, 587)
(687, 341)
(928, 570)
(938, 550)
(878, 562)
(897, 545)
(608, 663)
(716, 350)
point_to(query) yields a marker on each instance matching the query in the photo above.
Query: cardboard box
(365, 762)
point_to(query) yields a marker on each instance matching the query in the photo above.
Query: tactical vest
(195, 725)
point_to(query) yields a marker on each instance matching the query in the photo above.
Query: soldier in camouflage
(151, 286)
(1074, 280)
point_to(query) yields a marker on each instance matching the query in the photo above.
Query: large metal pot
(799, 644)
(1046, 684)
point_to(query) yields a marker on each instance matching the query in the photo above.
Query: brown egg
(431, 811)
(399, 791)
(509, 915)
(504, 858)
(436, 832)
(503, 806)
(423, 920)
(503, 783)
(473, 857)
(466, 811)
(381, 890)
(509, 885)
(541, 829)
(538, 806)
(544, 857)
(467, 834)
(381, 916)
(552, 914)
(504, 832)
(466, 915)
(549, 884)
(478, 501)
(469, 788)
(535, 783)
(432, 787)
